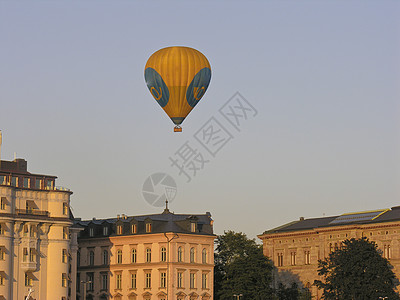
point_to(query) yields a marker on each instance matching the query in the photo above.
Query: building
(36, 249)
(159, 256)
(296, 247)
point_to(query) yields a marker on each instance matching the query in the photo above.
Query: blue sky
(323, 77)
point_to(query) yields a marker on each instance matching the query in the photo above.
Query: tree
(356, 271)
(241, 268)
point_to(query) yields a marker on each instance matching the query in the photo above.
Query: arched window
(91, 258)
(148, 255)
(105, 257)
(134, 257)
(204, 256)
(192, 255)
(119, 257)
(163, 254)
(180, 254)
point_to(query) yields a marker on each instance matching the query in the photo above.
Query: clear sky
(323, 77)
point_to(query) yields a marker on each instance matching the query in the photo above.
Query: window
(204, 256)
(163, 254)
(26, 182)
(104, 281)
(64, 256)
(147, 281)
(3, 203)
(2, 229)
(32, 232)
(330, 248)
(192, 255)
(105, 257)
(2, 253)
(192, 280)
(180, 280)
(28, 279)
(163, 279)
(118, 283)
(65, 233)
(90, 284)
(49, 184)
(193, 227)
(148, 227)
(26, 230)
(133, 228)
(3, 179)
(280, 259)
(38, 183)
(91, 231)
(133, 280)
(65, 209)
(134, 256)
(91, 258)
(148, 255)
(119, 257)
(64, 280)
(387, 252)
(25, 255)
(14, 181)
(293, 258)
(32, 254)
(1, 279)
(78, 282)
(307, 257)
(78, 259)
(105, 230)
(204, 281)
(180, 254)
(119, 229)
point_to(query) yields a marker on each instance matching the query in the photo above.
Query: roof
(164, 222)
(364, 217)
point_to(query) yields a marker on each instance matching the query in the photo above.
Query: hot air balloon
(177, 77)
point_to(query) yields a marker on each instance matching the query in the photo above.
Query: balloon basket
(177, 129)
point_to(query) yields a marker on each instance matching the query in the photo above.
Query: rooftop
(163, 222)
(364, 217)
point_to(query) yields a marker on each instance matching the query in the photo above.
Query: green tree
(357, 271)
(241, 268)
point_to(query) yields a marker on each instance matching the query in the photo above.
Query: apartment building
(38, 245)
(151, 257)
(296, 247)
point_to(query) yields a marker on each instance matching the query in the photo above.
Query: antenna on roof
(166, 210)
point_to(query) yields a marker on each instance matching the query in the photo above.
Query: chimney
(117, 217)
(301, 218)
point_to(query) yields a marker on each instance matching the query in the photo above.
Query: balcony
(32, 212)
(29, 266)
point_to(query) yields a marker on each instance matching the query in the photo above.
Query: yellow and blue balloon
(177, 77)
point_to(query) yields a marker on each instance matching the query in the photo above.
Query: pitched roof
(365, 217)
(164, 222)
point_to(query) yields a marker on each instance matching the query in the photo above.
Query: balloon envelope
(177, 77)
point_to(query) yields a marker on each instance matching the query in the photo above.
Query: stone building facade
(158, 257)
(296, 247)
(37, 244)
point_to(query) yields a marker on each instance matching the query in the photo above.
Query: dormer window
(148, 227)
(105, 230)
(27, 182)
(91, 231)
(193, 227)
(133, 228)
(119, 229)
